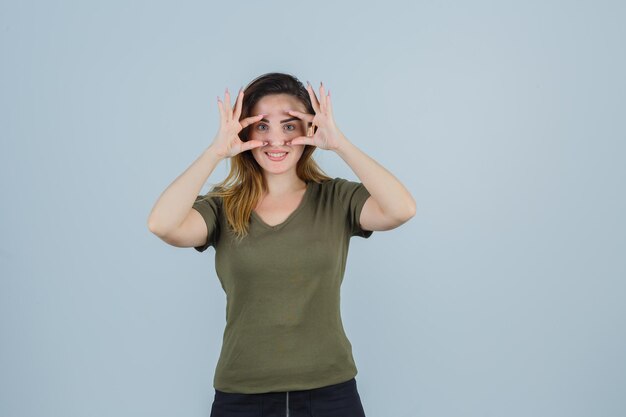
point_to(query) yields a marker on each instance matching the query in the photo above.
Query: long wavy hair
(245, 184)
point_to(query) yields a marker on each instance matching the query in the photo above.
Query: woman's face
(277, 128)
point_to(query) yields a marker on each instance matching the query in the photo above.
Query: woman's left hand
(327, 136)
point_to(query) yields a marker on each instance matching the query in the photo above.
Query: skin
(390, 203)
(280, 175)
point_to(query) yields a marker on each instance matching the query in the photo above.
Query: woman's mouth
(276, 156)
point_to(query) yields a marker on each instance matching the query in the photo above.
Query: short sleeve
(209, 208)
(352, 196)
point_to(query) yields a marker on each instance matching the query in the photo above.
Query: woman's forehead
(277, 104)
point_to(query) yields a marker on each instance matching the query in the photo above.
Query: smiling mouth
(276, 156)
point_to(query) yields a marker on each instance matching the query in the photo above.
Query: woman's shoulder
(211, 197)
(337, 188)
(332, 182)
(327, 185)
(338, 183)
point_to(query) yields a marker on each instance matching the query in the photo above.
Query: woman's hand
(227, 142)
(327, 136)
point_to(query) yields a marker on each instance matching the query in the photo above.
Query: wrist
(211, 153)
(342, 145)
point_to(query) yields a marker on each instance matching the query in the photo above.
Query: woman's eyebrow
(282, 121)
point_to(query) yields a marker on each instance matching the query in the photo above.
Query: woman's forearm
(390, 194)
(173, 205)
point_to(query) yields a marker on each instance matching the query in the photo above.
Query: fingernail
(308, 83)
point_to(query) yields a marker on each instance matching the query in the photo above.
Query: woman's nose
(276, 140)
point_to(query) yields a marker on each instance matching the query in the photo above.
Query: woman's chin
(275, 169)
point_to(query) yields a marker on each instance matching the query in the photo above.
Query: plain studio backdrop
(504, 296)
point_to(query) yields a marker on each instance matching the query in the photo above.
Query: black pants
(337, 400)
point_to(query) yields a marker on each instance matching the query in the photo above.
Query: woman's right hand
(227, 142)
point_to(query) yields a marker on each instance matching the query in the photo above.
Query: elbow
(401, 214)
(406, 217)
(399, 217)
(154, 228)
(409, 212)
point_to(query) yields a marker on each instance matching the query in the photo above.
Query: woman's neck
(283, 184)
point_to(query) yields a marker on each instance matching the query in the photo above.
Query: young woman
(281, 229)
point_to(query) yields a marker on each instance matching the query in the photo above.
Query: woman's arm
(174, 204)
(390, 203)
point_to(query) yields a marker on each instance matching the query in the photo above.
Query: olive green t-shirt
(282, 283)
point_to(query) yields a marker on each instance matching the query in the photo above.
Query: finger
(221, 108)
(302, 116)
(238, 104)
(307, 118)
(251, 144)
(229, 110)
(329, 105)
(252, 119)
(302, 140)
(322, 98)
(313, 97)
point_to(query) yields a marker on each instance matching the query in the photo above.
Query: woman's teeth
(276, 156)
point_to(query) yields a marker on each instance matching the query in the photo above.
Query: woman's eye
(290, 126)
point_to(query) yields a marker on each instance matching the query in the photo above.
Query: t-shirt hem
(318, 383)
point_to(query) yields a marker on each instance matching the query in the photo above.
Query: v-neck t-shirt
(283, 322)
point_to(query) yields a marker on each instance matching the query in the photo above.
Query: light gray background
(503, 296)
